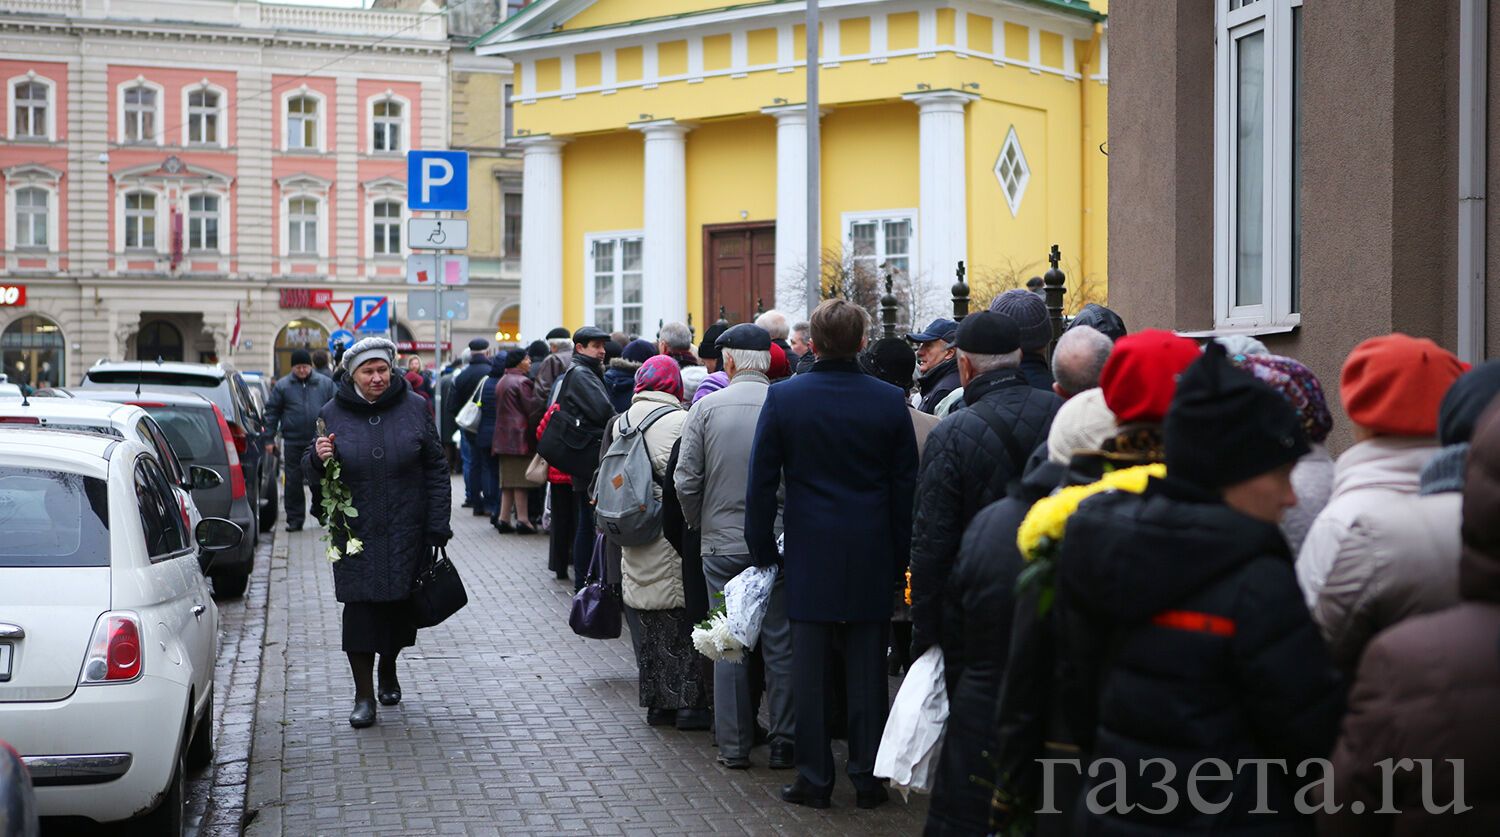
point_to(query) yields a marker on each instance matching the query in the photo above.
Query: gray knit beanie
(1029, 312)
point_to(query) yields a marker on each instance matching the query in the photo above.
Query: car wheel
(269, 510)
(200, 753)
(230, 585)
(169, 815)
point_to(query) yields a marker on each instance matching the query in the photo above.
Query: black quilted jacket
(965, 467)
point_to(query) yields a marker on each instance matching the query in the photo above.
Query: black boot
(390, 687)
(363, 714)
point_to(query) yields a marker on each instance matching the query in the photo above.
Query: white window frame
(1275, 310)
(32, 77)
(219, 112)
(619, 237)
(48, 180)
(849, 219)
(160, 231)
(375, 234)
(321, 219)
(221, 215)
(122, 115)
(16, 227)
(286, 120)
(403, 124)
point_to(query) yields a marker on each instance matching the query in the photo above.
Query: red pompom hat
(1394, 384)
(1140, 376)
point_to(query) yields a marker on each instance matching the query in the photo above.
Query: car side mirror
(204, 478)
(215, 534)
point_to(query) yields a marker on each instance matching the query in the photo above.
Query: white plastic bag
(914, 732)
(746, 598)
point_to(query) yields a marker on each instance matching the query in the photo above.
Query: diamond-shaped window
(1012, 171)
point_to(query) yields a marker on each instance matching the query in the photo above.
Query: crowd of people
(1134, 553)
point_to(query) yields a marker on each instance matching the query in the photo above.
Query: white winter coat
(651, 575)
(1367, 475)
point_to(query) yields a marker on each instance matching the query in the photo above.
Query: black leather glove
(438, 540)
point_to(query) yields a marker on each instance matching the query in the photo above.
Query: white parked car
(126, 421)
(108, 635)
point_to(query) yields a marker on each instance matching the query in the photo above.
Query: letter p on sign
(438, 180)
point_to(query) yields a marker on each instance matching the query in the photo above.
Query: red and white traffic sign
(340, 309)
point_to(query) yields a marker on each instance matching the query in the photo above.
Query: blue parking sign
(372, 314)
(438, 180)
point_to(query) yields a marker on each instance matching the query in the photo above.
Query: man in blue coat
(849, 477)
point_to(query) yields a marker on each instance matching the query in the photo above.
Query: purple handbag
(596, 606)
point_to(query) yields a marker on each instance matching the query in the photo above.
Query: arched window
(33, 350)
(387, 224)
(203, 222)
(298, 334)
(140, 221)
(31, 217)
(203, 117)
(302, 226)
(140, 113)
(302, 123)
(388, 119)
(158, 339)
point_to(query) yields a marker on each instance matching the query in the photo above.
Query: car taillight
(232, 449)
(115, 652)
(240, 442)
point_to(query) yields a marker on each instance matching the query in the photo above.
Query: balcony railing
(249, 14)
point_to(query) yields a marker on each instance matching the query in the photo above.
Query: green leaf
(350, 511)
(1044, 601)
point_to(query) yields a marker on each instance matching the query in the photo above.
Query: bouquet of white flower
(338, 508)
(714, 640)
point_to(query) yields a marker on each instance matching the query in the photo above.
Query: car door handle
(9, 631)
(198, 610)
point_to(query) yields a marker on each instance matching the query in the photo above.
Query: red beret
(1140, 376)
(780, 368)
(1394, 384)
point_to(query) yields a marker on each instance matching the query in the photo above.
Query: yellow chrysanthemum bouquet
(1041, 533)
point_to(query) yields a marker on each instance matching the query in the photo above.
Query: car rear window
(193, 433)
(147, 377)
(52, 519)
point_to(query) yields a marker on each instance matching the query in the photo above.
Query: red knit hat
(1141, 374)
(1394, 384)
(780, 368)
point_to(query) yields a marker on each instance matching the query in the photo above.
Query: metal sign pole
(814, 145)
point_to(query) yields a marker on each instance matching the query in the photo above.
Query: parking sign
(438, 180)
(372, 314)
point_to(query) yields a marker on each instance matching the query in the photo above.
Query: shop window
(33, 348)
(298, 334)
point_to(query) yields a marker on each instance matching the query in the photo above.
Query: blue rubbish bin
(17, 800)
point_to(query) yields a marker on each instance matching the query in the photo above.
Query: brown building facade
(1313, 175)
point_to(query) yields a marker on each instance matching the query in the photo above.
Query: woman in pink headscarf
(672, 685)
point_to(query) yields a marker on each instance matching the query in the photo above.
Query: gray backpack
(626, 510)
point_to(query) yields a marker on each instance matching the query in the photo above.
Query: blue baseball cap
(940, 329)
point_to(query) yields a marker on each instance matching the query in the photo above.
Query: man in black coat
(1211, 652)
(293, 410)
(581, 395)
(971, 457)
(849, 476)
(937, 362)
(464, 387)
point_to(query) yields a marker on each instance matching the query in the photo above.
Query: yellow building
(665, 149)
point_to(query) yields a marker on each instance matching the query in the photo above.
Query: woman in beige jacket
(671, 676)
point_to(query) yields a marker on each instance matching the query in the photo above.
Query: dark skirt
(671, 674)
(378, 627)
(564, 526)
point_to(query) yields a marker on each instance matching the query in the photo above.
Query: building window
(1257, 164)
(203, 117)
(388, 121)
(31, 217)
(512, 224)
(508, 110)
(302, 123)
(140, 113)
(613, 283)
(31, 99)
(1012, 171)
(203, 222)
(877, 241)
(387, 228)
(302, 226)
(140, 221)
(33, 349)
(513, 7)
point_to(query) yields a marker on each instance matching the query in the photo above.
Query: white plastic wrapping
(913, 736)
(746, 598)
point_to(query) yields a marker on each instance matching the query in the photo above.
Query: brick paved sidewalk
(510, 724)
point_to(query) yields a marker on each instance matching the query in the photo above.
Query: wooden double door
(739, 270)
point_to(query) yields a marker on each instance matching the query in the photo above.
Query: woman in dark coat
(517, 411)
(391, 462)
(488, 463)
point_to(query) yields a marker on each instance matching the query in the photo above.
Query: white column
(942, 217)
(541, 236)
(664, 251)
(791, 206)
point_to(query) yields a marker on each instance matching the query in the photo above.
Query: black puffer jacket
(390, 459)
(936, 384)
(583, 396)
(966, 466)
(1212, 654)
(978, 603)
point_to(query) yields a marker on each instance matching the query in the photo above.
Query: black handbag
(596, 612)
(567, 444)
(439, 592)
